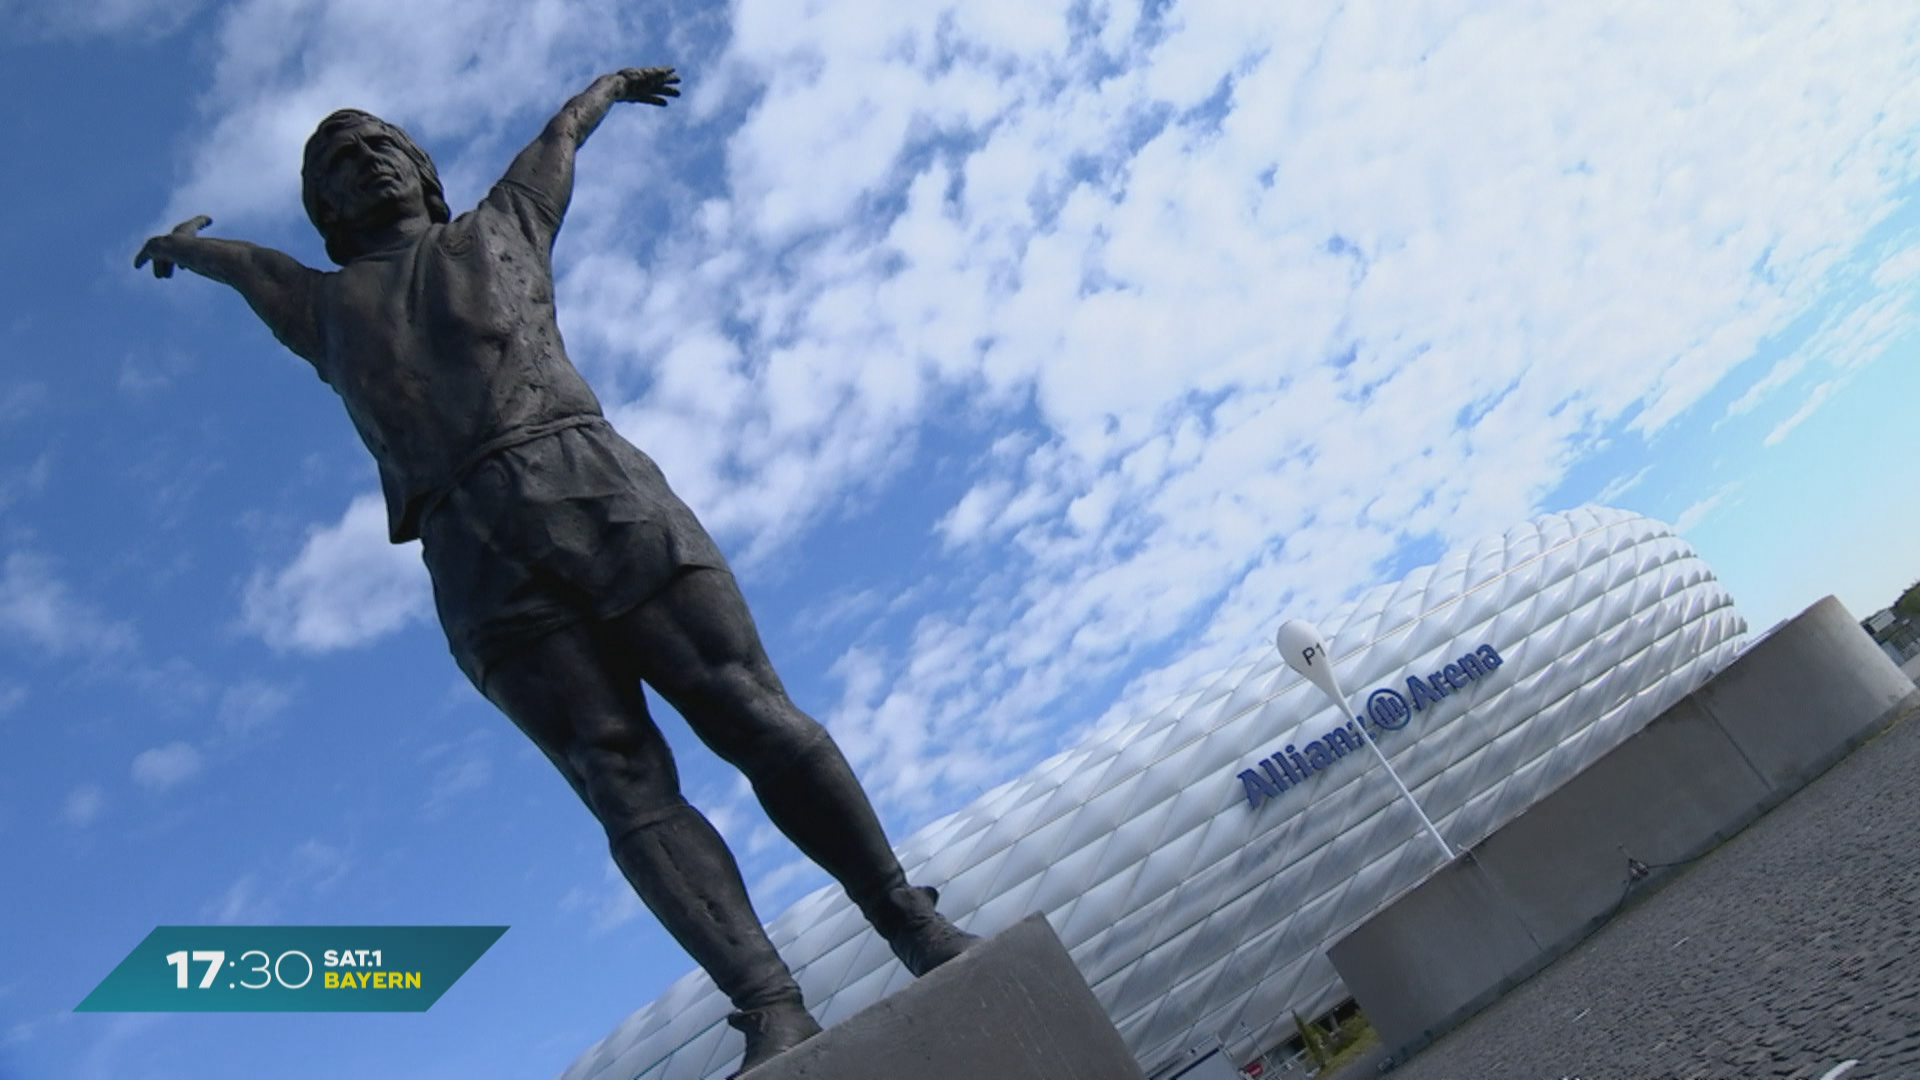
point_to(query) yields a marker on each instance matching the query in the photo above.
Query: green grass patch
(1355, 1037)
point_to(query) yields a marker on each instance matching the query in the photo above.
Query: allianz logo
(1387, 710)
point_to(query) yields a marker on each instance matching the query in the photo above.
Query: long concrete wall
(1790, 707)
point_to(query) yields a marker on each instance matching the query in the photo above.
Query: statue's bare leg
(697, 646)
(583, 707)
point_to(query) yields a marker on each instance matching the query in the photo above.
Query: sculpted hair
(339, 245)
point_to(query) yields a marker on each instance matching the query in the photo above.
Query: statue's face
(367, 179)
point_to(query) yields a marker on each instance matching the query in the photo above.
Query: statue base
(1013, 1007)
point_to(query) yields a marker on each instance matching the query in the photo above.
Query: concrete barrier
(1792, 705)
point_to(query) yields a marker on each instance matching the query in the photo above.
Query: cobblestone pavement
(1789, 951)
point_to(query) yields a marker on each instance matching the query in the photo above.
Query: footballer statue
(565, 571)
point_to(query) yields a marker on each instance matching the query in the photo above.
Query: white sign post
(1305, 652)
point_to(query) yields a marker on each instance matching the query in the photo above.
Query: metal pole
(1305, 651)
(1445, 848)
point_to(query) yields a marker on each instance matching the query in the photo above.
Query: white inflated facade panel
(1195, 915)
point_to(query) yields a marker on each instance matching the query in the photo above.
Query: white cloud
(1815, 399)
(249, 704)
(1696, 513)
(467, 774)
(836, 611)
(12, 695)
(318, 866)
(1620, 485)
(461, 768)
(20, 400)
(37, 607)
(974, 513)
(144, 374)
(138, 19)
(787, 882)
(262, 897)
(84, 805)
(116, 1048)
(243, 904)
(166, 766)
(607, 905)
(1776, 377)
(1850, 337)
(346, 587)
(1899, 269)
(30, 479)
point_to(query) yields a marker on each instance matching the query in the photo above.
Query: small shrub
(1909, 602)
(1315, 1040)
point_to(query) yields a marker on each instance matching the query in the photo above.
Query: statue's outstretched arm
(275, 284)
(546, 165)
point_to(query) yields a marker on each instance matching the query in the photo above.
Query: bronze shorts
(574, 526)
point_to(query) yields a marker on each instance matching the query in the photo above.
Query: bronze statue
(565, 571)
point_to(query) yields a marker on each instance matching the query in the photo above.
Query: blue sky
(1028, 360)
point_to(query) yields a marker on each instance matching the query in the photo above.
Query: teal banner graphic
(291, 969)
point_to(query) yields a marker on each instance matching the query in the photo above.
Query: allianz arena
(1199, 903)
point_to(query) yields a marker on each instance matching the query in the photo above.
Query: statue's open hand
(164, 250)
(651, 86)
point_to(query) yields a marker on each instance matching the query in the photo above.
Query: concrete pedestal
(1790, 707)
(1013, 1007)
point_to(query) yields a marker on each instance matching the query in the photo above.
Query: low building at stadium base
(1197, 862)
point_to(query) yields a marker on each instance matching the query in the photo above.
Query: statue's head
(358, 167)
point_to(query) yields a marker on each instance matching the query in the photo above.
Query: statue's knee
(786, 743)
(635, 819)
(621, 788)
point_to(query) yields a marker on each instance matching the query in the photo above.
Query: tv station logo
(291, 969)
